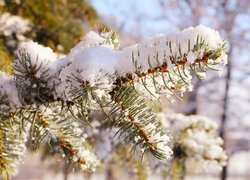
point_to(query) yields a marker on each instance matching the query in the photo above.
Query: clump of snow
(94, 60)
(93, 39)
(212, 38)
(94, 65)
(89, 40)
(195, 135)
(41, 58)
(37, 52)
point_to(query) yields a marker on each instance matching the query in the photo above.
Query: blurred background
(61, 24)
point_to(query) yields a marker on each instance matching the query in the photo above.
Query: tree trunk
(222, 132)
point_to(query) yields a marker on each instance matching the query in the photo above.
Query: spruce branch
(72, 140)
(48, 93)
(138, 122)
(12, 147)
(172, 74)
(51, 122)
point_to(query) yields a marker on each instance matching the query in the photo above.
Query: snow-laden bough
(96, 75)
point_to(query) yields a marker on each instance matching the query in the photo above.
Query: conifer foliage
(50, 97)
(54, 23)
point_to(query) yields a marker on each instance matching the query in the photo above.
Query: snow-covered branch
(96, 75)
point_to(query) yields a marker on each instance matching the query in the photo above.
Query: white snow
(212, 38)
(192, 56)
(95, 65)
(196, 135)
(90, 39)
(41, 57)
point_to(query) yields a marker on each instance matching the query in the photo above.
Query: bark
(224, 115)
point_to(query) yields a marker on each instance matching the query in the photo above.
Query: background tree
(53, 23)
